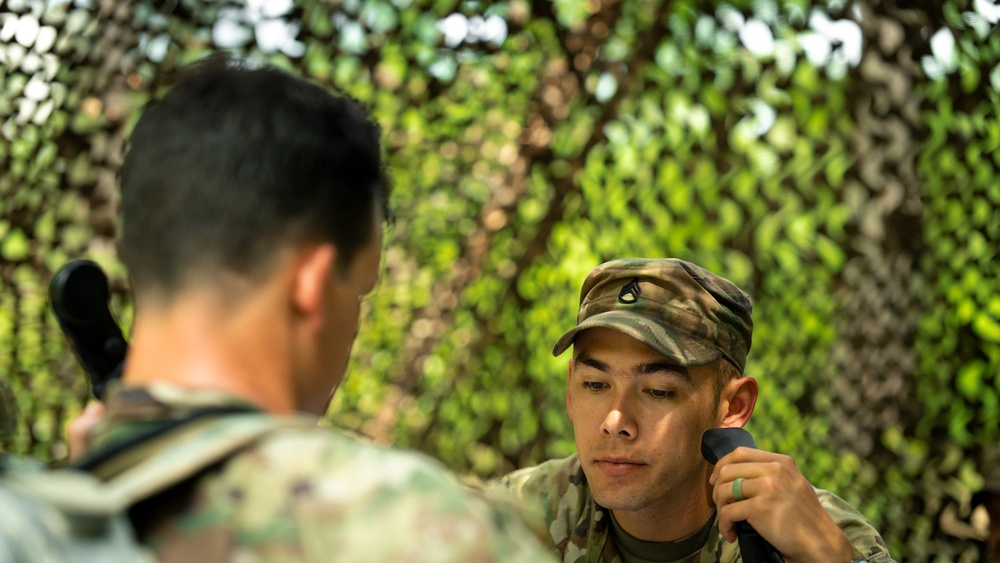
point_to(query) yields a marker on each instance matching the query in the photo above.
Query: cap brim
(676, 347)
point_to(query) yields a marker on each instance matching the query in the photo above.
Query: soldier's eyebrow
(663, 367)
(666, 368)
(590, 362)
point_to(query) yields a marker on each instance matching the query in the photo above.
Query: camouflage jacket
(292, 491)
(556, 494)
(60, 516)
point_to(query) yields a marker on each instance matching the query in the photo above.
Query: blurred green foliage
(838, 160)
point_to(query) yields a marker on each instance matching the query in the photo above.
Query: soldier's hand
(78, 429)
(780, 504)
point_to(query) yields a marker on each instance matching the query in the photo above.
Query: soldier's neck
(202, 342)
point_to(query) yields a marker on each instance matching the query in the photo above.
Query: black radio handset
(716, 444)
(79, 296)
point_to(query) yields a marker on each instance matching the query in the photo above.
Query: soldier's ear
(314, 266)
(739, 397)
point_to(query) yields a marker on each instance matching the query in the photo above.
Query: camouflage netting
(837, 160)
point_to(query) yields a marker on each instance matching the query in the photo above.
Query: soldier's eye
(660, 394)
(595, 386)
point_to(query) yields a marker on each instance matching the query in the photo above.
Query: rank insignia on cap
(630, 293)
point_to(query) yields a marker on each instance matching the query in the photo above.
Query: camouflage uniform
(293, 491)
(57, 516)
(60, 516)
(578, 529)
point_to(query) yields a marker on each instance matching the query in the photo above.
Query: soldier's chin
(615, 498)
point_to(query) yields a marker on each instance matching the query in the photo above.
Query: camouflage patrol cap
(678, 309)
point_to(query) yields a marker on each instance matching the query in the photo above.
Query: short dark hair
(237, 161)
(725, 372)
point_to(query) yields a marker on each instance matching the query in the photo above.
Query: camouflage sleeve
(519, 492)
(61, 516)
(314, 496)
(865, 539)
(548, 496)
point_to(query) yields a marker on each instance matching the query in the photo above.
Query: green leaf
(969, 379)
(830, 253)
(801, 231)
(986, 327)
(15, 245)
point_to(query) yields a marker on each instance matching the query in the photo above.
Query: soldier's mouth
(616, 466)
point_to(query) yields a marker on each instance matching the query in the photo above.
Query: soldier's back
(209, 477)
(315, 494)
